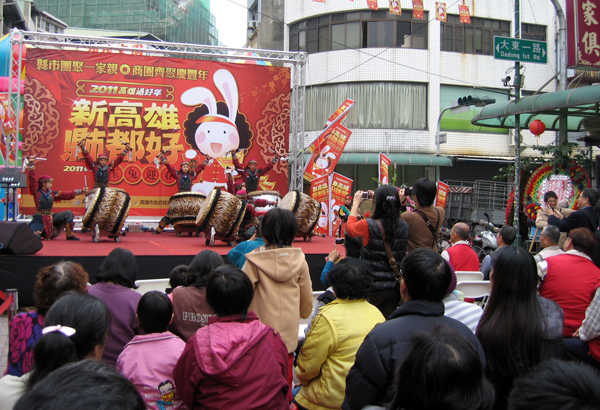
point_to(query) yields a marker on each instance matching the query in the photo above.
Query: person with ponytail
(385, 291)
(76, 328)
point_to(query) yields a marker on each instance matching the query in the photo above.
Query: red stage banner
(152, 103)
(323, 161)
(465, 16)
(319, 190)
(395, 7)
(372, 4)
(341, 187)
(384, 169)
(418, 12)
(440, 11)
(583, 34)
(442, 194)
(335, 119)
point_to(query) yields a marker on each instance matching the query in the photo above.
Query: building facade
(402, 72)
(181, 21)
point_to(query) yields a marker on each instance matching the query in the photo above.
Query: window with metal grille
(474, 38)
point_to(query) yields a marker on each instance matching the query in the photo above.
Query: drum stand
(213, 236)
(189, 228)
(306, 236)
(96, 232)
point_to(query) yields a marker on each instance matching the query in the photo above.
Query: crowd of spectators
(390, 332)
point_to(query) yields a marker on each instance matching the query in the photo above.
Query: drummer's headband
(215, 118)
(103, 155)
(185, 163)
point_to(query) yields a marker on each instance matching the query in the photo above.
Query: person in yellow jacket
(281, 280)
(334, 337)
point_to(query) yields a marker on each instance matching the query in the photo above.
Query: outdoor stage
(156, 255)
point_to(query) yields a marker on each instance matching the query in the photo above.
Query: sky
(232, 21)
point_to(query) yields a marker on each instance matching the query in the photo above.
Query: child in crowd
(190, 309)
(177, 277)
(148, 360)
(234, 362)
(281, 279)
(237, 255)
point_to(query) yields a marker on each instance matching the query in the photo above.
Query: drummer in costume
(343, 213)
(45, 223)
(101, 167)
(250, 218)
(184, 178)
(251, 174)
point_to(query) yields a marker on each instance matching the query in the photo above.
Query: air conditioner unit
(252, 24)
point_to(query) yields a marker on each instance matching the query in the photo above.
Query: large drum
(222, 211)
(184, 207)
(107, 208)
(306, 209)
(272, 196)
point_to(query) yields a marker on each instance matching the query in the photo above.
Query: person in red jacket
(235, 361)
(101, 167)
(251, 174)
(573, 281)
(461, 255)
(44, 223)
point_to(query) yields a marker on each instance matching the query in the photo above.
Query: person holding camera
(425, 221)
(384, 236)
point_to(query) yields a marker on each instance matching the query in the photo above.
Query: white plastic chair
(465, 276)
(475, 290)
(146, 285)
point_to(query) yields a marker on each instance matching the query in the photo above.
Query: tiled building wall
(433, 67)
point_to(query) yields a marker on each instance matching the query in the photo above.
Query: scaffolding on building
(174, 21)
(296, 61)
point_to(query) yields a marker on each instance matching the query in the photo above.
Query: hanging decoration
(440, 12)
(395, 7)
(537, 128)
(372, 4)
(465, 16)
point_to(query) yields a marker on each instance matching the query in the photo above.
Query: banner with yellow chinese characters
(190, 110)
(341, 187)
(319, 190)
(384, 169)
(325, 158)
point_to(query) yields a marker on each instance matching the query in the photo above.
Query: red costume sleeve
(171, 169)
(230, 186)
(117, 161)
(198, 170)
(261, 203)
(238, 165)
(32, 182)
(88, 159)
(66, 195)
(266, 168)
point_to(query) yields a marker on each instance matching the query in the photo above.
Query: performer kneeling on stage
(184, 178)
(250, 174)
(101, 167)
(46, 224)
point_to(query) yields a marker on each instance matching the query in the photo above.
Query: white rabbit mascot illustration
(215, 129)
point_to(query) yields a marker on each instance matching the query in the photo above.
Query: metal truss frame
(296, 61)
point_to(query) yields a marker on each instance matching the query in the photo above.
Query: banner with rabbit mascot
(201, 112)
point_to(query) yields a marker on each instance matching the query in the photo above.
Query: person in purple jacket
(116, 281)
(148, 360)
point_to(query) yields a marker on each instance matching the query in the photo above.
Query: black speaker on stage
(17, 238)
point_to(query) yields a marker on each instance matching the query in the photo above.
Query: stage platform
(156, 255)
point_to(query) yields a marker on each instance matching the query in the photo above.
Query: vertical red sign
(418, 12)
(319, 190)
(384, 169)
(341, 187)
(442, 194)
(583, 28)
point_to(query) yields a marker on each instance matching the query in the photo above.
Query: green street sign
(518, 49)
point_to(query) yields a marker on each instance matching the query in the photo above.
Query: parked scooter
(490, 244)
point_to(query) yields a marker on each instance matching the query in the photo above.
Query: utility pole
(517, 85)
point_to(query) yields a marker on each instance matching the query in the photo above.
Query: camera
(339, 241)
(366, 195)
(408, 191)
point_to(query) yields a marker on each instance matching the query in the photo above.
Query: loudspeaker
(18, 239)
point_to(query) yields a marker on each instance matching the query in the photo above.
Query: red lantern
(537, 128)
